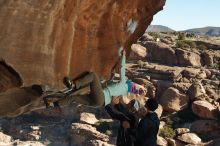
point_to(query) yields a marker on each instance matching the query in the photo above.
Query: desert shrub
(167, 130)
(155, 35)
(216, 66)
(140, 63)
(192, 44)
(202, 47)
(182, 44)
(186, 44)
(181, 36)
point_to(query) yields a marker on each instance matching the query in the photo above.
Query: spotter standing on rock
(126, 114)
(148, 126)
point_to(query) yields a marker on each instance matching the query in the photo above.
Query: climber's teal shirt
(117, 89)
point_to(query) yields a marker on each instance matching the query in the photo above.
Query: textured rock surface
(138, 52)
(196, 90)
(188, 58)
(182, 130)
(161, 141)
(158, 51)
(46, 40)
(203, 109)
(88, 118)
(173, 101)
(9, 77)
(205, 126)
(190, 138)
(83, 133)
(6, 140)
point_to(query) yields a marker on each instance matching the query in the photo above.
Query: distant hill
(159, 28)
(209, 31)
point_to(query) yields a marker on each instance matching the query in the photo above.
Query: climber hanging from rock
(14, 105)
(98, 96)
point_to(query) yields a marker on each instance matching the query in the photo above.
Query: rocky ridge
(188, 96)
(185, 76)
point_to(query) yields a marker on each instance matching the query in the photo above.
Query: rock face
(182, 130)
(190, 138)
(9, 77)
(205, 126)
(173, 101)
(137, 52)
(203, 109)
(6, 140)
(46, 40)
(82, 134)
(158, 51)
(196, 90)
(186, 58)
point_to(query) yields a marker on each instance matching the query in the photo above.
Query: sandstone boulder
(205, 126)
(182, 87)
(190, 72)
(48, 40)
(146, 37)
(88, 118)
(17, 107)
(27, 143)
(82, 133)
(97, 143)
(187, 58)
(203, 109)
(161, 141)
(207, 58)
(194, 73)
(189, 138)
(9, 77)
(171, 142)
(138, 52)
(5, 138)
(180, 131)
(161, 87)
(159, 111)
(196, 90)
(172, 100)
(161, 53)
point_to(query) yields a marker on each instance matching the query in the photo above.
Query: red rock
(161, 53)
(45, 40)
(172, 100)
(188, 58)
(203, 109)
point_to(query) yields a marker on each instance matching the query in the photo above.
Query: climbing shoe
(67, 82)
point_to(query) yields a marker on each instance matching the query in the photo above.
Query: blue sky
(186, 14)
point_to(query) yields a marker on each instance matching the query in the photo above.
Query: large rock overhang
(46, 40)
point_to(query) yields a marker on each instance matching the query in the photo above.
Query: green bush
(191, 43)
(155, 35)
(182, 44)
(181, 36)
(141, 63)
(202, 47)
(186, 44)
(167, 131)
